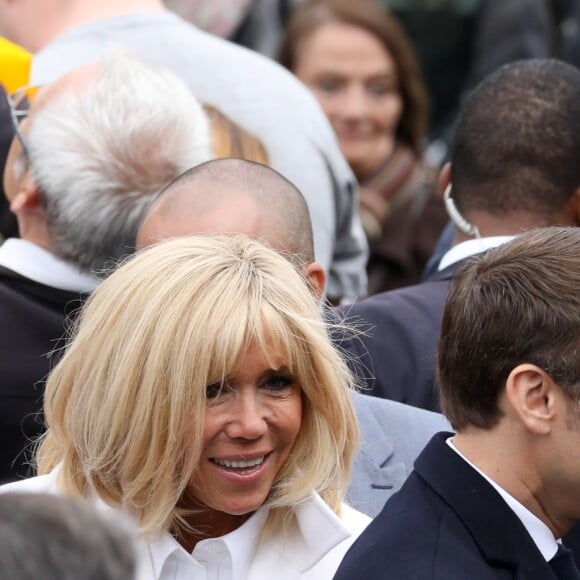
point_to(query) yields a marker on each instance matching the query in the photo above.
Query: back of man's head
(101, 151)
(516, 304)
(57, 538)
(233, 196)
(517, 141)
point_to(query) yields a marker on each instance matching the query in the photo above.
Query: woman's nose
(247, 417)
(354, 104)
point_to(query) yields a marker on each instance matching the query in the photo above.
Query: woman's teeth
(240, 463)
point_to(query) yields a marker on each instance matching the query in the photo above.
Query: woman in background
(361, 67)
(201, 397)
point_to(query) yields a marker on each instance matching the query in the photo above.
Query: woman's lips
(243, 469)
(349, 135)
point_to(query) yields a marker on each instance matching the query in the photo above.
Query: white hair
(100, 154)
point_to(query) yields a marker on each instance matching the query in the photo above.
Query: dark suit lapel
(499, 533)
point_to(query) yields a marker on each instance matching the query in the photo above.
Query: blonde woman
(202, 397)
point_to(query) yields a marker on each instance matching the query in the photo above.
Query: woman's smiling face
(356, 82)
(251, 423)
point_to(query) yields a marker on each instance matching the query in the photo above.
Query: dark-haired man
(236, 196)
(493, 500)
(514, 167)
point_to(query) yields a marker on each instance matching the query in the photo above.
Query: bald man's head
(233, 196)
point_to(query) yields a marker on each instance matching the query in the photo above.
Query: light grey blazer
(393, 435)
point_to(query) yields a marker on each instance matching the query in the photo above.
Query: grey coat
(393, 435)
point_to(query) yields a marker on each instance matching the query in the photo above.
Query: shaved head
(233, 196)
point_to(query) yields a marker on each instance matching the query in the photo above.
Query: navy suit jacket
(32, 324)
(446, 523)
(395, 357)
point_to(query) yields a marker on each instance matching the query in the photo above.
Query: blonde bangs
(126, 404)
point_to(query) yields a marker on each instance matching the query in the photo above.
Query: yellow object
(14, 65)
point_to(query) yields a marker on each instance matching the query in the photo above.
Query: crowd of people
(254, 327)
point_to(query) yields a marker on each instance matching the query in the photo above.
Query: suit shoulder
(390, 545)
(415, 536)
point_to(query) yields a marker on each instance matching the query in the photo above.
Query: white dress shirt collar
(231, 556)
(538, 530)
(471, 248)
(40, 265)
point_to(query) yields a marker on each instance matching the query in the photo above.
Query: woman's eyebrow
(282, 371)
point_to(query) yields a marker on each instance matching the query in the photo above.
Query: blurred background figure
(566, 17)
(221, 17)
(230, 140)
(14, 73)
(57, 538)
(458, 42)
(14, 65)
(361, 67)
(257, 24)
(8, 224)
(250, 89)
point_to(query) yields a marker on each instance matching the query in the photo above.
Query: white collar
(166, 554)
(36, 263)
(320, 531)
(471, 248)
(538, 530)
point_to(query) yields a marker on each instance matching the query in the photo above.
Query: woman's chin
(363, 166)
(364, 159)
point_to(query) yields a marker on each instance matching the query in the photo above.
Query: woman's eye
(213, 391)
(381, 89)
(329, 85)
(278, 383)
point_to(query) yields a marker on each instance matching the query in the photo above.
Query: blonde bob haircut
(125, 406)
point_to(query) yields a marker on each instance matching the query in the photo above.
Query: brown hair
(230, 140)
(366, 14)
(516, 304)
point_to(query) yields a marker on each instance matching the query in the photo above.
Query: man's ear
(27, 199)
(444, 178)
(316, 277)
(531, 393)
